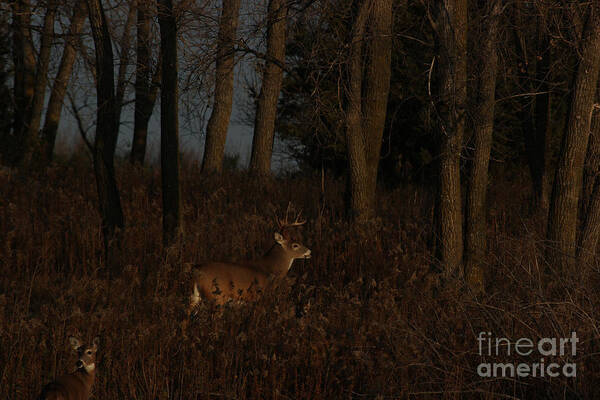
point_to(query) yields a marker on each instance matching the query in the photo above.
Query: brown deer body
(76, 385)
(244, 281)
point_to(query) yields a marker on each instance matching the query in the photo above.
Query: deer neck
(276, 260)
(87, 377)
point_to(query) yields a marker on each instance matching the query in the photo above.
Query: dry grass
(349, 323)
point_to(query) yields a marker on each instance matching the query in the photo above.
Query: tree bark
(218, 123)
(266, 109)
(32, 138)
(169, 125)
(142, 86)
(141, 120)
(59, 88)
(125, 44)
(367, 102)
(592, 160)
(562, 221)
(534, 113)
(24, 81)
(377, 87)
(483, 127)
(588, 242)
(106, 137)
(538, 154)
(360, 205)
(452, 40)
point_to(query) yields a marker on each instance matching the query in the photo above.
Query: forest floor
(367, 317)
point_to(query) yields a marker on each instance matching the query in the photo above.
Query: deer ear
(279, 238)
(75, 343)
(96, 342)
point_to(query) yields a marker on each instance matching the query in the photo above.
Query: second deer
(76, 385)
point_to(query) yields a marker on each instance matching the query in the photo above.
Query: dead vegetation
(363, 318)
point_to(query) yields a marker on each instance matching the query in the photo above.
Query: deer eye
(89, 352)
(295, 246)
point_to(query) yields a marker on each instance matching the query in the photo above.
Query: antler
(284, 224)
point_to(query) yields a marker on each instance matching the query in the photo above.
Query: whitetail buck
(76, 385)
(244, 281)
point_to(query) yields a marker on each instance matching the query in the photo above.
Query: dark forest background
(448, 168)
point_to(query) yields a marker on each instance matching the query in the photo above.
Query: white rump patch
(195, 297)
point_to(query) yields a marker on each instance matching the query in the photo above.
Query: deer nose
(307, 254)
(79, 364)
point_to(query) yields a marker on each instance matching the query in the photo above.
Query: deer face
(294, 249)
(86, 354)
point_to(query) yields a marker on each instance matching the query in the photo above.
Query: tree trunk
(140, 127)
(377, 87)
(592, 160)
(588, 242)
(451, 29)
(483, 127)
(169, 125)
(24, 81)
(266, 109)
(61, 81)
(367, 102)
(538, 154)
(32, 136)
(125, 45)
(218, 123)
(106, 137)
(534, 113)
(360, 205)
(142, 85)
(562, 221)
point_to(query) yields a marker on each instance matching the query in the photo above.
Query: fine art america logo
(547, 349)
